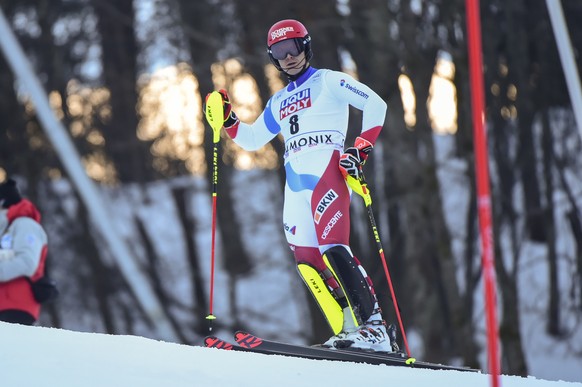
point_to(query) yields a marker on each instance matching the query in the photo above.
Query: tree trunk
(130, 156)
(200, 294)
(553, 322)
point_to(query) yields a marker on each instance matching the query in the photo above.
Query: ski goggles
(281, 49)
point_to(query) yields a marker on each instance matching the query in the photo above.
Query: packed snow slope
(38, 356)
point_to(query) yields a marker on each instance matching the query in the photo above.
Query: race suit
(311, 114)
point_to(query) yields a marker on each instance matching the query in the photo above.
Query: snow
(270, 299)
(40, 356)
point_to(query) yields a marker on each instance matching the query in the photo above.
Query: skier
(23, 249)
(311, 113)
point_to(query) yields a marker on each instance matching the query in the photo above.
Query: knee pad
(347, 270)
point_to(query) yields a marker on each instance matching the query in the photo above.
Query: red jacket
(17, 293)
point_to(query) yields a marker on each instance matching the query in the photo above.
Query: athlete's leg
(330, 205)
(316, 217)
(301, 236)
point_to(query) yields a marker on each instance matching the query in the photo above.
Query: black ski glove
(353, 158)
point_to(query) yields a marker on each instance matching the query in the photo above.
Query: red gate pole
(482, 176)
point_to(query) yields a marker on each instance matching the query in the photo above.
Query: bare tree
(130, 155)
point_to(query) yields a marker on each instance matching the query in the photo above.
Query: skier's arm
(249, 137)
(360, 96)
(373, 108)
(254, 136)
(23, 257)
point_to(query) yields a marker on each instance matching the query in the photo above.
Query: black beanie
(9, 194)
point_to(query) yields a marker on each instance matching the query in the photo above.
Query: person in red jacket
(23, 249)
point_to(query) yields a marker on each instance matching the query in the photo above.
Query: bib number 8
(294, 124)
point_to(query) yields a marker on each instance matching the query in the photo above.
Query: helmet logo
(281, 32)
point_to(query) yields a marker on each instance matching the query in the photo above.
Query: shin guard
(330, 297)
(347, 270)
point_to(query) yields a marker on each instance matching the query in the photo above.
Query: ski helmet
(292, 31)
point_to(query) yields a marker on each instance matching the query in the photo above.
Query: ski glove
(230, 118)
(353, 158)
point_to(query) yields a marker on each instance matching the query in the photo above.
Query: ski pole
(214, 112)
(360, 187)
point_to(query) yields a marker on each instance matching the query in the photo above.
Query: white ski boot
(348, 327)
(330, 343)
(371, 337)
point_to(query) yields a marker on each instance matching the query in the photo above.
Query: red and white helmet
(285, 30)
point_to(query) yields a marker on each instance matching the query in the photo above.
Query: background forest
(126, 79)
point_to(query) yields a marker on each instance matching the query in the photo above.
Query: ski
(251, 344)
(216, 342)
(254, 343)
(246, 342)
